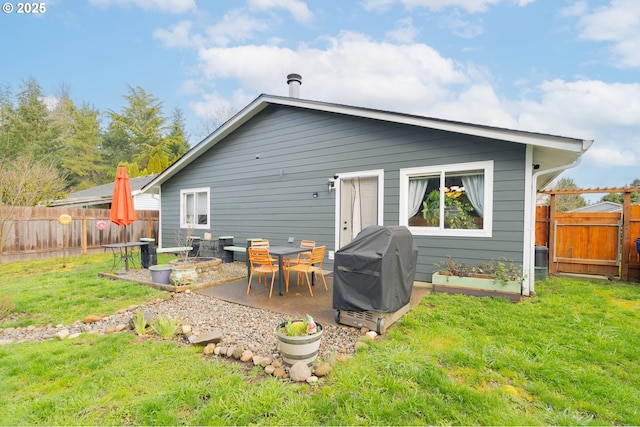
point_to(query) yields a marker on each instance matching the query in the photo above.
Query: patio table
(281, 251)
(121, 253)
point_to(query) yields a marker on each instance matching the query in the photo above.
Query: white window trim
(407, 173)
(183, 224)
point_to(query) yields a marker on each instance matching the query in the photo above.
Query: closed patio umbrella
(122, 210)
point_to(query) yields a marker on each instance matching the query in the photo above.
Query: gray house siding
(262, 178)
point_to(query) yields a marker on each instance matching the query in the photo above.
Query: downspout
(532, 224)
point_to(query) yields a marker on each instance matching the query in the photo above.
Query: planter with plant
(299, 340)
(497, 277)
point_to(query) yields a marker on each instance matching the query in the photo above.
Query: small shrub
(166, 327)
(454, 268)
(140, 323)
(6, 306)
(501, 270)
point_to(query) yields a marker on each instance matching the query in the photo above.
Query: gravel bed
(240, 326)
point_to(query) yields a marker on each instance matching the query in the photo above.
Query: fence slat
(34, 233)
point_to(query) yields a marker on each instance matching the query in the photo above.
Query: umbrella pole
(126, 256)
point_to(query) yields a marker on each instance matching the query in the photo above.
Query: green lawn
(566, 357)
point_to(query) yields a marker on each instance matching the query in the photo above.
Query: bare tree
(25, 182)
(216, 118)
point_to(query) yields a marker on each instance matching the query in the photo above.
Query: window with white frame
(194, 208)
(448, 200)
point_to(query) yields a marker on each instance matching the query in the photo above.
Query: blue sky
(562, 67)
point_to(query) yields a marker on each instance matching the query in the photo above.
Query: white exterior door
(359, 204)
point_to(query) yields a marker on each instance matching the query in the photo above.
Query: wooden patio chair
(302, 256)
(313, 265)
(260, 262)
(263, 244)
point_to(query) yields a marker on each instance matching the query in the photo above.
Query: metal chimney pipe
(294, 81)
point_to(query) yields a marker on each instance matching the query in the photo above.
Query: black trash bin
(148, 254)
(373, 277)
(541, 263)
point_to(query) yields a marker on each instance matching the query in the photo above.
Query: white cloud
(178, 36)
(581, 106)
(236, 26)
(51, 102)
(166, 6)
(617, 24)
(350, 69)
(471, 6)
(612, 156)
(460, 26)
(298, 9)
(405, 32)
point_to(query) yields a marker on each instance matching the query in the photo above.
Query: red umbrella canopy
(122, 210)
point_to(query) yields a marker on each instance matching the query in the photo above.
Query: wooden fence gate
(593, 243)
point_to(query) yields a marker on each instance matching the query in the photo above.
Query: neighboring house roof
(101, 194)
(601, 207)
(550, 154)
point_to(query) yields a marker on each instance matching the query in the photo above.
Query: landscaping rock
(322, 370)
(280, 373)
(91, 319)
(208, 338)
(63, 334)
(299, 372)
(246, 356)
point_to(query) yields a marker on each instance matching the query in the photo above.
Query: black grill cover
(375, 272)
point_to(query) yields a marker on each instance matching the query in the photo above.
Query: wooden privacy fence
(594, 243)
(33, 233)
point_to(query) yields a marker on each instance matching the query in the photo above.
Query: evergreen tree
(116, 148)
(82, 160)
(28, 123)
(140, 125)
(175, 143)
(567, 202)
